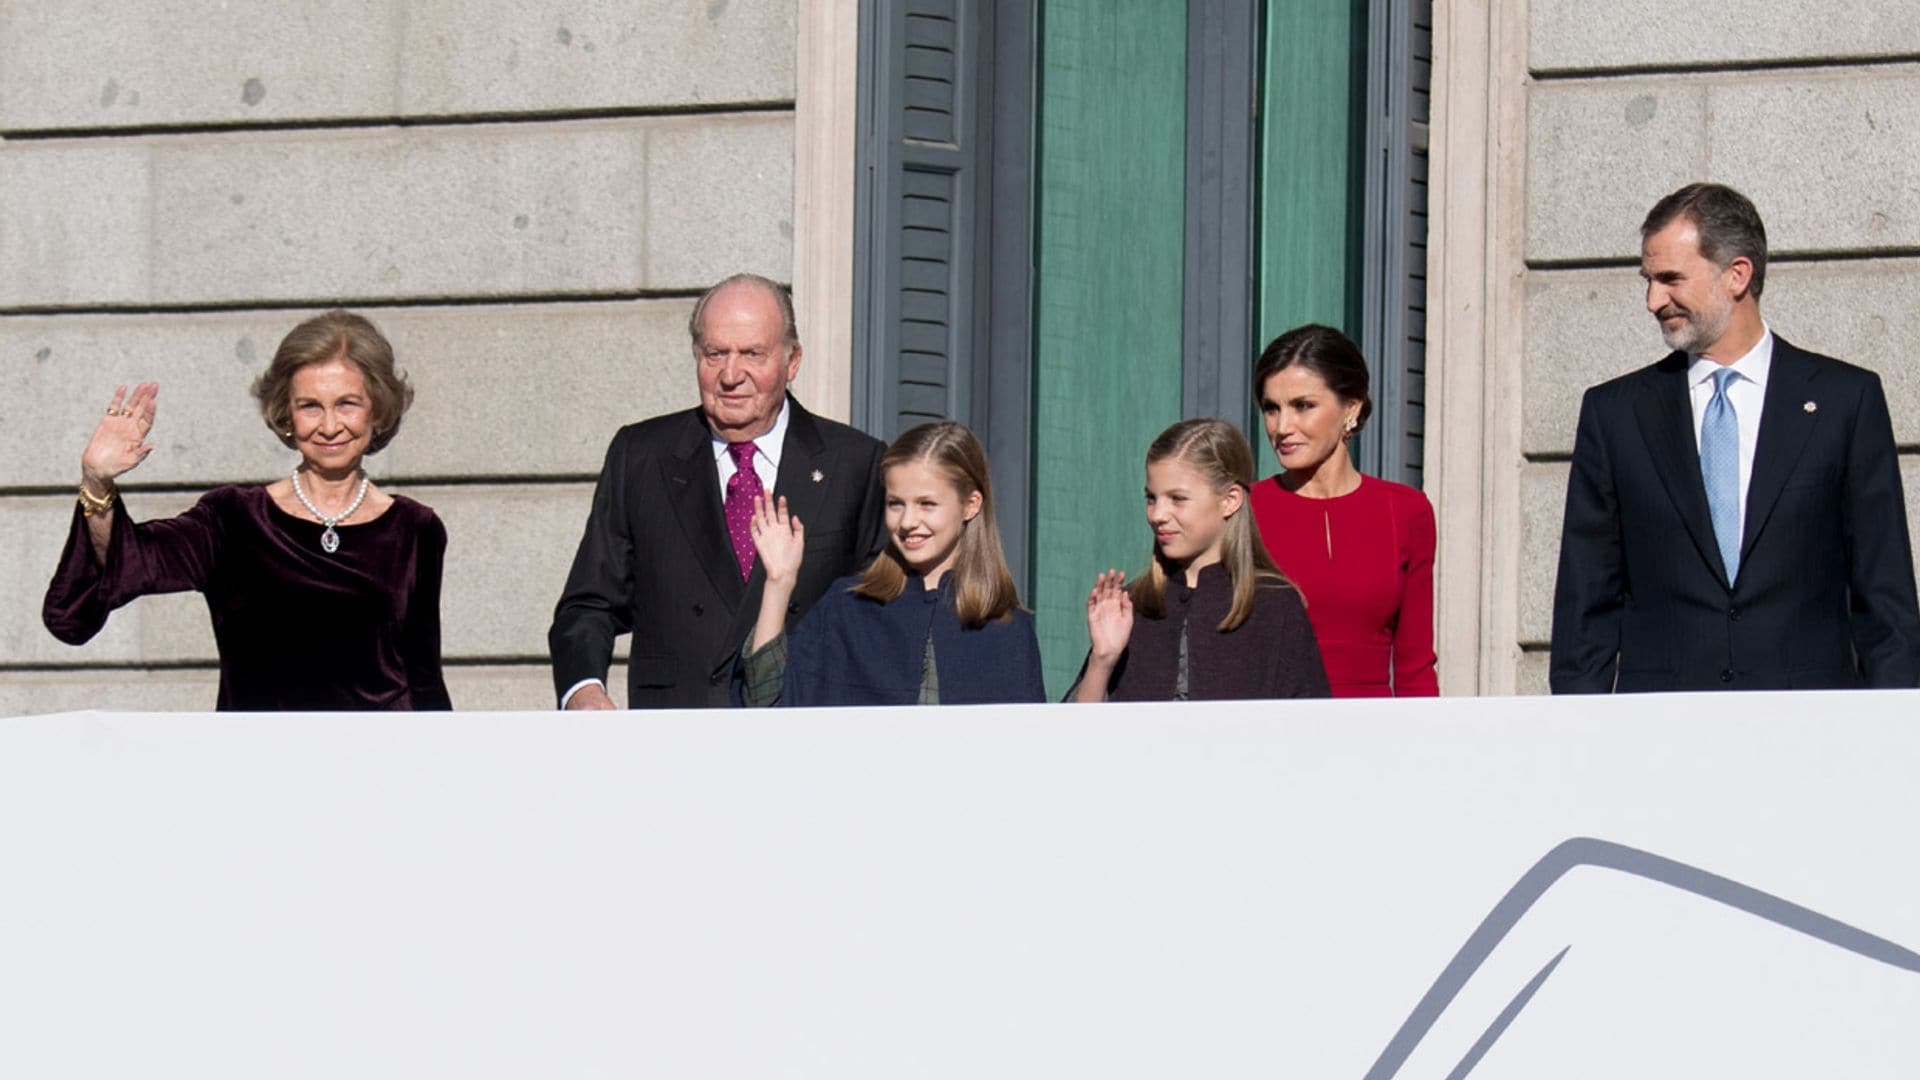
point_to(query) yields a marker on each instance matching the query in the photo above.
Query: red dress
(1364, 563)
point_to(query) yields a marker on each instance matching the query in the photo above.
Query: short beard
(1700, 330)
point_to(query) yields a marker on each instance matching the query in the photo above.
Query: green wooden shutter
(943, 242)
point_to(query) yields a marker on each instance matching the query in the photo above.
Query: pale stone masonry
(523, 195)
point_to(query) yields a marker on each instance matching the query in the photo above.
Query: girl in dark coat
(1212, 617)
(934, 619)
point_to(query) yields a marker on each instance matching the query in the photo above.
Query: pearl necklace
(329, 540)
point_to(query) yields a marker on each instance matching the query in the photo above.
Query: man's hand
(590, 696)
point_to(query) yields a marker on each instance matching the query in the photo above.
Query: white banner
(1671, 886)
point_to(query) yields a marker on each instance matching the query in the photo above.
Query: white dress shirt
(766, 463)
(1746, 392)
(766, 455)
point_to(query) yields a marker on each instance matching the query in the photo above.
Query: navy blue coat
(850, 650)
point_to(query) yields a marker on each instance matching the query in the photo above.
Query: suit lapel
(1666, 422)
(1784, 427)
(693, 489)
(800, 460)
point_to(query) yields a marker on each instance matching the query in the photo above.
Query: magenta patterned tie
(743, 488)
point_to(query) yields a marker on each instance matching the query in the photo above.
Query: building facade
(527, 196)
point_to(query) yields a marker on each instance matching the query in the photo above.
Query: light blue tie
(1720, 468)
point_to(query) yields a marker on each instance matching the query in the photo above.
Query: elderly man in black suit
(666, 556)
(1734, 514)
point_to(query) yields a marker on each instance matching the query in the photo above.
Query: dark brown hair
(334, 335)
(983, 588)
(1729, 226)
(1218, 452)
(1327, 353)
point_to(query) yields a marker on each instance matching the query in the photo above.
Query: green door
(1109, 243)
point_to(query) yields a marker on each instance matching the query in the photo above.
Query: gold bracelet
(91, 504)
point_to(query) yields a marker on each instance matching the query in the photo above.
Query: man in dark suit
(1734, 514)
(666, 556)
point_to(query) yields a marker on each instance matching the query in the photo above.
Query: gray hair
(1730, 228)
(789, 331)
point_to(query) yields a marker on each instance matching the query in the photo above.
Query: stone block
(1543, 494)
(508, 551)
(1583, 327)
(519, 391)
(75, 223)
(93, 63)
(491, 210)
(1543, 500)
(1601, 153)
(1571, 35)
(36, 693)
(1586, 326)
(719, 199)
(660, 204)
(1531, 672)
(495, 56)
(90, 64)
(1826, 156)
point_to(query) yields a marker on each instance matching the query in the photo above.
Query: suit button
(1733, 613)
(699, 610)
(1727, 675)
(715, 680)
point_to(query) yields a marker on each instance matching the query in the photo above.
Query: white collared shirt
(766, 463)
(1746, 393)
(766, 454)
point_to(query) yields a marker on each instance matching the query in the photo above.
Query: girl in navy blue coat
(935, 619)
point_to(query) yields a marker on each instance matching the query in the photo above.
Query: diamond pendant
(330, 541)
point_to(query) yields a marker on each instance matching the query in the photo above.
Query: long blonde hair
(983, 588)
(1219, 453)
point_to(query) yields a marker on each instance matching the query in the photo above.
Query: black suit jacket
(1825, 594)
(655, 561)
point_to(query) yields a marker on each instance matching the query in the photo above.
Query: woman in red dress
(1359, 549)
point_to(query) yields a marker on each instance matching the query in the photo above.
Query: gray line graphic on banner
(1587, 851)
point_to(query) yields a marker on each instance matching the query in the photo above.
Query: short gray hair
(1729, 226)
(789, 331)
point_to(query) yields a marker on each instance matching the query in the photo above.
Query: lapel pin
(819, 476)
(1811, 406)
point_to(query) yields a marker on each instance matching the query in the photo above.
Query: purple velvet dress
(297, 628)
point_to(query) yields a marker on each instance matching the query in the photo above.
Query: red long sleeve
(1364, 563)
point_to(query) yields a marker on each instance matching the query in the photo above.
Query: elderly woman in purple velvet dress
(324, 590)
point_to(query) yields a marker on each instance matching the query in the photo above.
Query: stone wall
(525, 196)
